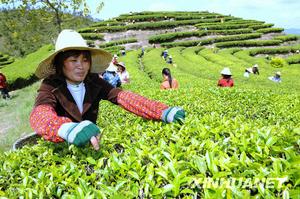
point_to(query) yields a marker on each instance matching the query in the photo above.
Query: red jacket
(226, 82)
(2, 81)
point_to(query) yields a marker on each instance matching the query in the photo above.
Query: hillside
(228, 39)
(241, 142)
(191, 29)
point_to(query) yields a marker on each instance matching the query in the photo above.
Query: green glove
(78, 133)
(173, 114)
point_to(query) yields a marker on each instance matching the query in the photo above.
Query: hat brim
(100, 61)
(226, 74)
(118, 64)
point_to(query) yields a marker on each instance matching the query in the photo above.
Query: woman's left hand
(173, 114)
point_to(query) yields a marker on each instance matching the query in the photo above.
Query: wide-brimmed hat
(255, 66)
(278, 73)
(122, 64)
(226, 71)
(72, 40)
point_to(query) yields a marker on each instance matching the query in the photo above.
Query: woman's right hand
(95, 142)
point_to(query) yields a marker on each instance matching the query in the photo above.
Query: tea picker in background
(67, 105)
(123, 52)
(170, 60)
(168, 81)
(276, 78)
(254, 70)
(123, 73)
(115, 59)
(226, 80)
(3, 86)
(142, 52)
(164, 54)
(111, 76)
(268, 57)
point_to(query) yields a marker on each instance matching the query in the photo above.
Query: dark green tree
(27, 25)
(56, 7)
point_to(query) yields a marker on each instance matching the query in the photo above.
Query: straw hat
(278, 73)
(255, 66)
(226, 71)
(72, 40)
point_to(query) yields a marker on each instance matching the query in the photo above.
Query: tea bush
(277, 62)
(229, 133)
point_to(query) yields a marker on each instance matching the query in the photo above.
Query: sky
(282, 13)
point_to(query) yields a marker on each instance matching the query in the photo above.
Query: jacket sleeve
(140, 105)
(45, 122)
(43, 118)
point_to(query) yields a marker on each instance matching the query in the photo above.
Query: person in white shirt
(254, 70)
(123, 73)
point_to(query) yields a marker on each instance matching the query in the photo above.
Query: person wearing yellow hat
(226, 80)
(67, 105)
(276, 78)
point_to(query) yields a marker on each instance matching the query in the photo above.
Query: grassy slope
(17, 110)
(24, 68)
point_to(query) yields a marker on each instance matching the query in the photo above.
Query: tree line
(27, 25)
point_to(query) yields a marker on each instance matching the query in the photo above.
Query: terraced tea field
(241, 142)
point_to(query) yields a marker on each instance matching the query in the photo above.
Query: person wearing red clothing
(3, 86)
(67, 105)
(226, 80)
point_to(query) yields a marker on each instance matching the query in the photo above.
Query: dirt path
(142, 36)
(15, 113)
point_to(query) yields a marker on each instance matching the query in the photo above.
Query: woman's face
(120, 69)
(76, 68)
(165, 77)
